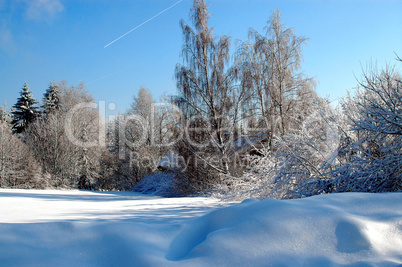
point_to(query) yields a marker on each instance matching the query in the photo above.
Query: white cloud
(43, 9)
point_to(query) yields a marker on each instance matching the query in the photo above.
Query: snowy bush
(160, 184)
(359, 151)
(256, 181)
(298, 165)
(375, 115)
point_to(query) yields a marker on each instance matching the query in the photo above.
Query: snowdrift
(323, 230)
(128, 229)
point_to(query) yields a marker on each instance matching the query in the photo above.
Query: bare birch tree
(269, 67)
(18, 167)
(206, 85)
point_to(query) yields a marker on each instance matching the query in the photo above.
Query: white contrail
(108, 75)
(133, 29)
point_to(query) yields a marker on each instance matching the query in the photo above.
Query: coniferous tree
(51, 99)
(25, 111)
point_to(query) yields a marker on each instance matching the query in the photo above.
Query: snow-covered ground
(77, 228)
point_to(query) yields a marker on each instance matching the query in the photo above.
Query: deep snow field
(79, 228)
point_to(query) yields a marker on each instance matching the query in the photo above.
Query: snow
(79, 228)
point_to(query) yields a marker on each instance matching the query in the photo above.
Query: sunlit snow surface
(77, 228)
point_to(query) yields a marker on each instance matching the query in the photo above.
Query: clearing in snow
(80, 228)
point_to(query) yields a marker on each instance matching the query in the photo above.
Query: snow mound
(333, 229)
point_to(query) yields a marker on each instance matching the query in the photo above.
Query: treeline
(65, 142)
(57, 144)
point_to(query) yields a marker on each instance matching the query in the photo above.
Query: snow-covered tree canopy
(25, 111)
(51, 99)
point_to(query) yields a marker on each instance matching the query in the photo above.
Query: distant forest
(247, 124)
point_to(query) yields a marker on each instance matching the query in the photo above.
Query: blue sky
(46, 40)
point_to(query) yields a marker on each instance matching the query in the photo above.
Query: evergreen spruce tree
(25, 110)
(51, 99)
